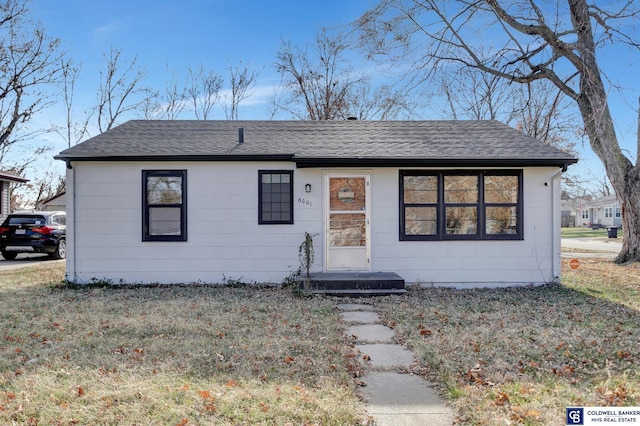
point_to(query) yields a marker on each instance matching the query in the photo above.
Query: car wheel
(61, 250)
(9, 255)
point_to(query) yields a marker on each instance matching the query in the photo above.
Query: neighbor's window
(608, 212)
(462, 205)
(164, 208)
(617, 211)
(275, 197)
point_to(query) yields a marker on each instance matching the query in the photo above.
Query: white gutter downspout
(71, 223)
(555, 228)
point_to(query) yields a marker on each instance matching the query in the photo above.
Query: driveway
(25, 259)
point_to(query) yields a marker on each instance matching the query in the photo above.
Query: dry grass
(205, 355)
(520, 356)
(171, 356)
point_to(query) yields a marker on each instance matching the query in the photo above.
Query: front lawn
(169, 356)
(521, 356)
(244, 356)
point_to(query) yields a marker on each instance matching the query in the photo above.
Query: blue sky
(168, 36)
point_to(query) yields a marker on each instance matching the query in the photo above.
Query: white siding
(465, 263)
(225, 240)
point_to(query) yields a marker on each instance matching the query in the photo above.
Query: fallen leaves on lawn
(540, 347)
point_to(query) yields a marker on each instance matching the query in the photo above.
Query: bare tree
(47, 186)
(120, 89)
(537, 108)
(203, 90)
(174, 98)
(29, 64)
(383, 102)
(73, 130)
(474, 95)
(321, 84)
(242, 81)
(532, 41)
(168, 104)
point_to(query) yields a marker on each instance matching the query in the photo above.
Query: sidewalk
(599, 247)
(392, 396)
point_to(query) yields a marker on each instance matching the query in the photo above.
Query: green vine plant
(306, 256)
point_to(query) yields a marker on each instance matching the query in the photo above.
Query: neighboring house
(55, 203)
(457, 203)
(602, 212)
(571, 211)
(6, 179)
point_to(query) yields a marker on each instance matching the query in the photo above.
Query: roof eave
(13, 178)
(309, 162)
(174, 158)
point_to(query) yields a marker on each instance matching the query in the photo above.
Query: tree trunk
(621, 173)
(594, 108)
(630, 204)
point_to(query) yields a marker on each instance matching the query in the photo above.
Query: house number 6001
(304, 201)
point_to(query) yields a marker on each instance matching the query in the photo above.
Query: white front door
(347, 222)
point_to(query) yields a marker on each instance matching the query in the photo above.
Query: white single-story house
(600, 212)
(455, 203)
(603, 211)
(6, 179)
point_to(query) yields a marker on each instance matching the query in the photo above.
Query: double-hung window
(275, 197)
(164, 205)
(460, 205)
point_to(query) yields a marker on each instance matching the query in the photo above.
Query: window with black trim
(275, 197)
(164, 205)
(464, 205)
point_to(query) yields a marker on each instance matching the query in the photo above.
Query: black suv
(34, 232)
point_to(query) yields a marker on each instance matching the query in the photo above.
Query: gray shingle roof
(311, 142)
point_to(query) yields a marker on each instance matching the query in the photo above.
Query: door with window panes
(347, 222)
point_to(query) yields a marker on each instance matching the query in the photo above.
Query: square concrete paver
(404, 399)
(354, 307)
(371, 333)
(362, 317)
(387, 356)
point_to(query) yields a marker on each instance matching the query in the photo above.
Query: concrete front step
(355, 281)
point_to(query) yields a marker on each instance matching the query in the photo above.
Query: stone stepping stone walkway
(391, 397)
